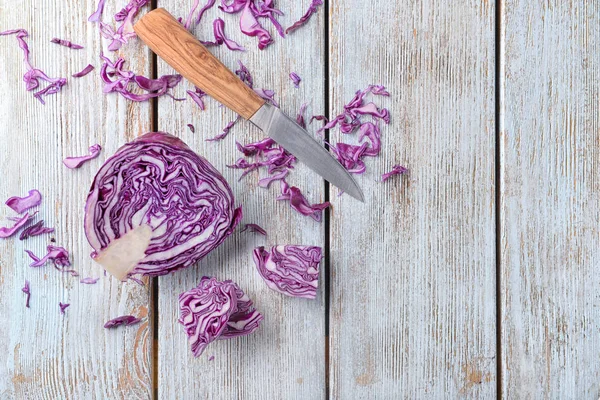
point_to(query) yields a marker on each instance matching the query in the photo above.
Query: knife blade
(295, 139)
(182, 51)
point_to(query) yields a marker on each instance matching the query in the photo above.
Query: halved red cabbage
(290, 270)
(66, 43)
(155, 207)
(63, 307)
(27, 290)
(35, 230)
(304, 19)
(33, 75)
(84, 71)
(122, 320)
(299, 203)
(216, 310)
(76, 162)
(254, 228)
(396, 170)
(6, 232)
(20, 204)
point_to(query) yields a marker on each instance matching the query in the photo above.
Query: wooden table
(475, 276)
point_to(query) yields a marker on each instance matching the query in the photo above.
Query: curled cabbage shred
(6, 232)
(216, 310)
(396, 170)
(27, 290)
(66, 43)
(122, 320)
(155, 207)
(78, 161)
(35, 230)
(63, 307)
(21, 204)
(290, 270)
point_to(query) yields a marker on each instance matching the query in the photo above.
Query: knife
(182, 51)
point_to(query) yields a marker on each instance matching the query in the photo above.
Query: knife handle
(182, 51)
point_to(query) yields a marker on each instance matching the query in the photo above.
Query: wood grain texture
(284, 359)
(46, 355)
(550, 130)
(182, 51)
(413, 269)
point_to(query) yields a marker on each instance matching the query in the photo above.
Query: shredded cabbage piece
(299, 203)
(220, 38)
(349, 155)
(396, 170)
(268, 95)
(251, 11)
(27, 290)
(123, 79)
(188, 21)
(58, 255)
(216, 310)
(300, 117)
(97, 15)
(191, 127)
(63, 307)
(295, 79)
(66, 43)
(124, 31)
(209, 4)
(304, 19)
(197, 96)
(84, 71)
(254, 228)
(225, 132)
(122, 320)
(244, 74)
(33, 75)
(266, 182)
(6, 232)
(21, 204)
(89, 281)
(35, 230)
(290, 270)
(266, 154)
(76, 162)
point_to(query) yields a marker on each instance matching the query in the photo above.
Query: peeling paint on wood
(550, 135)
(70, 356)
(290, 343)
(413, 269)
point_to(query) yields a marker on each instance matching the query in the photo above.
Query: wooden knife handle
(182, 51)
